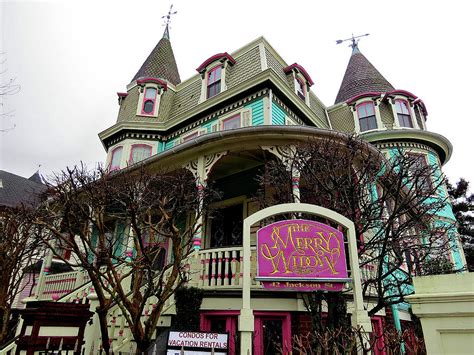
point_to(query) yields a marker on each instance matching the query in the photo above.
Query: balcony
(57, 285)
(222, 268)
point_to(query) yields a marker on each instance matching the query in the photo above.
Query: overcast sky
(71, 58)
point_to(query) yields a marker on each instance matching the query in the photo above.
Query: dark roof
(36, 177)
(15, 189)
(160, 63)
(360, 77)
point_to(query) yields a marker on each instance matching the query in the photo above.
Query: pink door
(272, 333)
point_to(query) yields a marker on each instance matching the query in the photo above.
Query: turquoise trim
(169, 144)
(208, 125)
(398, 324)
(257, 112)
(278, 115)
(161, 146)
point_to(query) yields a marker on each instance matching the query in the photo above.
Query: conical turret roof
(161, 62)
(361, 77)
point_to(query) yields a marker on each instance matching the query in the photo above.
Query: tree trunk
(4, 318)
(102, 314)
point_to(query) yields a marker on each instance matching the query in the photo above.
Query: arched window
(403, 113)
(116, 158)
(300, 88)
(366, 115)
(214, 81)
(139, 152)
(149, 101)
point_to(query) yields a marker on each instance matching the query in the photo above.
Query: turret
(134, 137)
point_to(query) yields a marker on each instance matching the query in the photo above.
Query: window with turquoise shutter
(119, 242)
(91, 255)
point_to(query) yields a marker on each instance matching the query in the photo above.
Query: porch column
(200, 168)
(246, 318)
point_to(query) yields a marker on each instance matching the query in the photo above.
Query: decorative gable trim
(420, 103)
(160, 82)
(393, 93)
(363, 95)
(219, 56)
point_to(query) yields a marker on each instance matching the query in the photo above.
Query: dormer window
(149, 101)
(116, 159)
(213, 74)
(150, 91)
(366, 115)
(403, 113)
(300, 88)
(214, 81)
(302, 80)
(139, 152)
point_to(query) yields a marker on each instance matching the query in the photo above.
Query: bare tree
(19, 250)
(394, 203)
(131, 231)
(9, 87)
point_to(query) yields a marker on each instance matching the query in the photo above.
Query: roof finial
(167, 20)
(354, 41)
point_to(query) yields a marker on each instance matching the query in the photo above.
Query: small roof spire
(167, 20)
(161, 63)
(360, 76)
(166, 34)
(354, 42)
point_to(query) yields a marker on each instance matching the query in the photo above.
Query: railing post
(92, 330)
(45, 266)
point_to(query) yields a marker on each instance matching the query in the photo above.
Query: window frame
(301, 94)
(145, 100)
(401, 115)
(227, 119)
(111, 167)
(217, 82)
(139, 145)
(359, 118)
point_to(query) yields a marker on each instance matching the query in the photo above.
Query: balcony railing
(222, 268)
(57, 285)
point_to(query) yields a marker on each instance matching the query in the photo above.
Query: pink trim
(145, 99)
(160, 82)
(422, 106)
(112, 168)
(303, 87)
(361, 96)
(215, 57)
(231, 324)
(402, 113)
(301, 70)
(138, 146)
(377, 329)
(122, 94)
(400, 92)
(231, 118)
(258, 326)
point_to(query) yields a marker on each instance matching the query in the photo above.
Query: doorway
(272, 333)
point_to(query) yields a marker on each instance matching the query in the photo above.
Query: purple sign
(301, 255)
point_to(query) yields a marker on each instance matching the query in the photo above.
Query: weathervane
(353, 39)
(167, 18)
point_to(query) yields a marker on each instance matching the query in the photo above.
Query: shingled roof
(160, 63)
(360, 77)
(15, 189)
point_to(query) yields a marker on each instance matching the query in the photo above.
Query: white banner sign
(197, 342)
